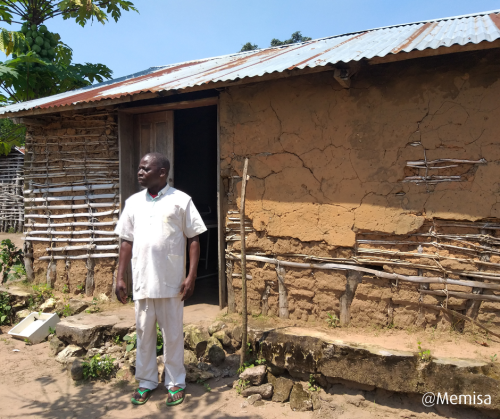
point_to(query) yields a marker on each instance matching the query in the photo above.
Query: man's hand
(123, 263)
(121, 291)
(187, 287)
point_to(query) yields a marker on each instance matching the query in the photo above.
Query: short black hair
(160, 160)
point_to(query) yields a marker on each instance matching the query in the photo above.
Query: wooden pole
(243, 267)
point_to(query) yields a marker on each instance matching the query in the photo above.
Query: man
(153, 227)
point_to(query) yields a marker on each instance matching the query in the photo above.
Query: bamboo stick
(58, 233)
(75, 224)
(72, 207)
(73, 188)
(243, 266)
(82, 247)
(462, 295)
(460, 316)
(73, 215)
(93, 256)
(64, 240)
(70, 198)
(380, 274)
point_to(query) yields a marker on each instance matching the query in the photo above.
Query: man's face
(149, 174)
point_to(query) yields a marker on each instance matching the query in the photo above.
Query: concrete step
(303, 353)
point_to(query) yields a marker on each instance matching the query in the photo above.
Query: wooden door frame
(128, 152)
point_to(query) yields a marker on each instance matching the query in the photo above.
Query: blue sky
(167, 31)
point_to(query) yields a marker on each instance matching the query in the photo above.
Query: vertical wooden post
(243, 266)
(353, 279)
(265, 298)
(28, 260)
(283, 295)
(231, 302)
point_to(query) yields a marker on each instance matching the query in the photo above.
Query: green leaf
(11, 42)
(129, 347)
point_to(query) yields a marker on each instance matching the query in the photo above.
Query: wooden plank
(353, 279)
(185, 104)
(221, 240)
(127, 152)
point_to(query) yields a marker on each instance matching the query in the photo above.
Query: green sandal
(175, 402)
(141, 393)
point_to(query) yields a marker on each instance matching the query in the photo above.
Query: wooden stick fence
(71, 165)
(11, 192)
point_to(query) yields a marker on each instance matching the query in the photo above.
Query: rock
(77, 306)
(222, 337)
(259, 403)
(265, 390)
(215, 371)
(190, 357)
(300, 400)
(193, 374)
(103, 297)
(254, 375)
(196, 338)
(77, 370)
(22, 314)
(203, 366)
(271, 379)
(211, 342)
(91, 331)
(161, 369)
(275, 370)
(215, 327)
(55, 346)
(235, 344)
(94, 351)
(354, 400)
(68, 353)
(125, 373)
(316, 400)
(282, 389)
(254, 398)
(216, 355)
(48, 305)
(236, 333)
(114, 349)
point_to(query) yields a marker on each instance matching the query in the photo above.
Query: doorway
(189, 138)
(195, 173)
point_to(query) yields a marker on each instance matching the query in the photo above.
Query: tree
(295, 38)
(41, 64)
(249, 47)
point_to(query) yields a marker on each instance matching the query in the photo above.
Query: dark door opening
(195, 173)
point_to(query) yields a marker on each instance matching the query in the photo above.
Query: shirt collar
(160, 193)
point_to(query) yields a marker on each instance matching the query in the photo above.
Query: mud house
(11, 184)
(374, 160)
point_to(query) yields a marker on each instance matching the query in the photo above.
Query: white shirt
(159, 228)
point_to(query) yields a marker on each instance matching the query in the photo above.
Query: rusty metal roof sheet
(461, 30)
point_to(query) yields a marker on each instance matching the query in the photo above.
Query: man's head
(153, 171)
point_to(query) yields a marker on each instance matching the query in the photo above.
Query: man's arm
(187, 287)
(124, 262)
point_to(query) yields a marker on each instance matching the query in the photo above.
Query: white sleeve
(125, 227)
(193, 224)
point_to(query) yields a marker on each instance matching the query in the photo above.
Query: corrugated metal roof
(461, 30)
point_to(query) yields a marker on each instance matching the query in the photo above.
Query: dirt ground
(35, 385)
(16, 238)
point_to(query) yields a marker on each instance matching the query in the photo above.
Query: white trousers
(168, 313)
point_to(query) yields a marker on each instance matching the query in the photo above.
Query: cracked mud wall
(329, 165)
